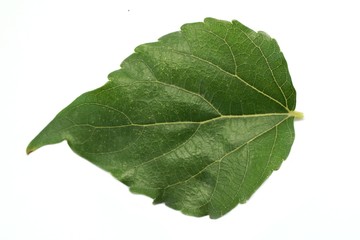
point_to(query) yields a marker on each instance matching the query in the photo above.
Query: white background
(52, 51)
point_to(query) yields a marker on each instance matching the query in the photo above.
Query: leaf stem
(296, 115)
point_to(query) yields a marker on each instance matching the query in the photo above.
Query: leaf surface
(198, 120)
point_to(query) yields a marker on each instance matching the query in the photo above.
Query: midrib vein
(286, 115)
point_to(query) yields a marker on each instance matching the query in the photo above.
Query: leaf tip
(30, 148)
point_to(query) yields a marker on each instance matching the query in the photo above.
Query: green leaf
(198, 120)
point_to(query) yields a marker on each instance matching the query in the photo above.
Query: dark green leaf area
(198, 120)
(238, 70)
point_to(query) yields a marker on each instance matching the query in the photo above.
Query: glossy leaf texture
(198, 120)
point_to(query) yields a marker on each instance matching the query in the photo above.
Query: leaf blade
(182, 113)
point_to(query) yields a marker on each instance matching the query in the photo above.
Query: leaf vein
(231, 74)
(268, 65)
(225, 155)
